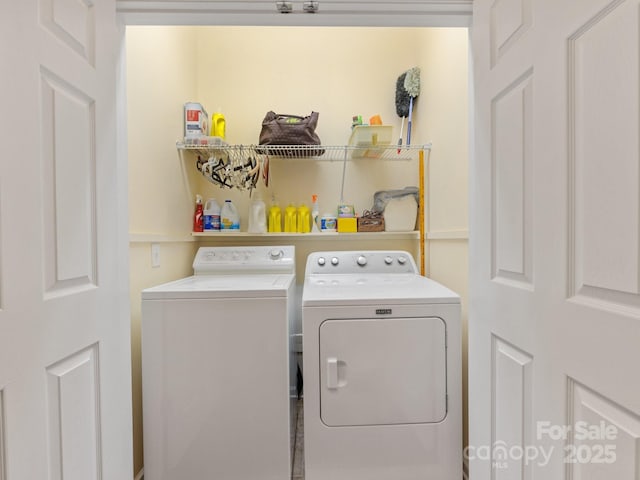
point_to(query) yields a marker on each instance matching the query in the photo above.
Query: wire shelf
(229, 167)
(315, 152)
(239, 166)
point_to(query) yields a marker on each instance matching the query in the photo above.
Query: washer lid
(358, 289)
(222, 286)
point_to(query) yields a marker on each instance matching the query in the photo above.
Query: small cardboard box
(371, 224)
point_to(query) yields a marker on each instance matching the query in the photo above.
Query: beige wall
(444, 111)
(246, 71)
(160, 68)
(338, 72)
(160, 65)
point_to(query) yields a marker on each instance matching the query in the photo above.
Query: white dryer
(382, 370)
(217, 372)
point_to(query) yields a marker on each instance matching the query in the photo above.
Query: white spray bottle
(315, 214)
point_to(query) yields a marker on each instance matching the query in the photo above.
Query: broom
(412, 87)
(403, 101)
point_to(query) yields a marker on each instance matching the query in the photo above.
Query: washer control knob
(402, 260)
(335, 261)
(275, 254)
(362, 260)
(388, 260)
(321, 261)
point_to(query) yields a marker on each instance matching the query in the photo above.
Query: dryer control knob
(402, 260)
(321, 261)
(335, 261)
(388, 260)
(275, 254)
(362, 260)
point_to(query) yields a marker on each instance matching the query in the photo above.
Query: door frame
(375, 13)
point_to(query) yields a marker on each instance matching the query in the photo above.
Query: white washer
(217, 374)
(382, 370)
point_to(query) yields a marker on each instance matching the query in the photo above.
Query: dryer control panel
(363, 262)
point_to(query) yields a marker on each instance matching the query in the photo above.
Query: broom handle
(409, 123)
(344, 170)
(400, 139)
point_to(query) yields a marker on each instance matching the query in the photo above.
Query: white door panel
(603, 155)
(554, 318)
(64, 325)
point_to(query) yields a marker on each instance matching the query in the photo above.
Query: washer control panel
(262, 259)
(368, 261)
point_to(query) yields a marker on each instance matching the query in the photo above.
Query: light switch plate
(155, 255)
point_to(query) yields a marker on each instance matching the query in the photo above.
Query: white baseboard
(140, 475)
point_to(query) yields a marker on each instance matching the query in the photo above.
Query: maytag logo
(383, 311)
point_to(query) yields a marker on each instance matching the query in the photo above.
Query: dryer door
(383, 371)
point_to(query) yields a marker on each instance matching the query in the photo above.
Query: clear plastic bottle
(257, 216)
(229, 218)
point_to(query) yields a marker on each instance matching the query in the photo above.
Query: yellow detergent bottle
(290, 217)
(218, 124)
(275, 218)
(304, 219)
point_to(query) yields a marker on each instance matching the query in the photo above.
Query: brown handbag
(290, 130)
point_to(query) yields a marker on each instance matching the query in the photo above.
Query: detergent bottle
(275, 218)
(304, 219)
(218, 124)
(197, 216)
(229, 218)
(212, 215)
(290, 219)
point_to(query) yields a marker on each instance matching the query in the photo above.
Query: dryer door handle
(332, 372)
